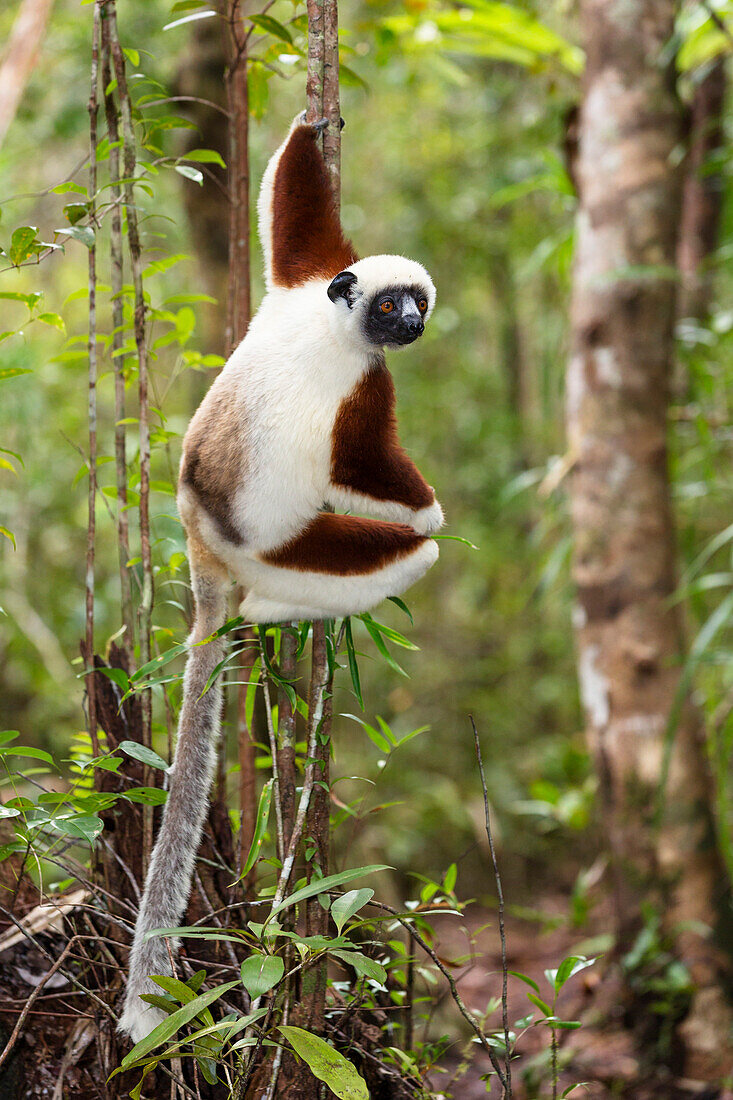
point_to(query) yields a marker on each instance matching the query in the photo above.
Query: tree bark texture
(702, 197)
(629, 637)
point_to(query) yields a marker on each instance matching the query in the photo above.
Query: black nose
(414, 326)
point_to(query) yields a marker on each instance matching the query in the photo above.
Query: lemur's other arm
(300, 229)
(370, 471)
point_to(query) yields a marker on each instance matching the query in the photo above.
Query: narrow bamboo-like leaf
(353, 665)
(166, 1028)
(524, 978)
(263, 815)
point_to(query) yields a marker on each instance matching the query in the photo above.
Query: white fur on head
(375, 273)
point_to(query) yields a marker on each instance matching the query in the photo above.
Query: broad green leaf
(21, 243)
(327, 1064)
(570, 966)
(272, 26)
(85, 826)
(149, 796)
(53, 319)
(322, 885)
(8, 811)
(261, 973)
(25, 750)
(343, 908)
(143, 754)
(82, 233)
(263, 815)
(190, 173)
(205, 156)
(362, 964)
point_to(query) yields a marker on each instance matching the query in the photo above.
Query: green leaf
(263, 815)
(25, 750)
(53, 319)
(149, 796)
(343, 908)
(322, 885)
(75, 211)
(117, 676)
(525, 979)
(261, 973)
(327, 1064)
(13, 372)
(353, 665)
(8, 811)
(190, 173)
(362, 964)
(272, 26)
(143, 754)
(15, 296)
(21, 243)
(8, 535)
(402, 606)
(166, 1028)
(568, 967)
(132, 56)
(205, 156)
(85, 826)
(542, 1005)
(83, 233)
(379, 643)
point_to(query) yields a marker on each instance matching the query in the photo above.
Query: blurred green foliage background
(452, 154)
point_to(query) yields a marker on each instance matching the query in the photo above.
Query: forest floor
(603, 1055)
(57, 1044)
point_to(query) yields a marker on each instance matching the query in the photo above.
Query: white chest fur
(293, 372)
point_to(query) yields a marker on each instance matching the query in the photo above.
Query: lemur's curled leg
(168, 880)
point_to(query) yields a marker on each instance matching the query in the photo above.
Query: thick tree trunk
(629, 638)
(702, 196)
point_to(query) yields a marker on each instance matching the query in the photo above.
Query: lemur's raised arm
(302, 415)
(300, 229)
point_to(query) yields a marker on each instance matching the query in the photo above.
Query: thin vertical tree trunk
(239, 310)
(93, 107)
(629, 636)
(702, 196)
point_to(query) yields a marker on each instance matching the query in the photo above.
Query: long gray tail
(168, 882)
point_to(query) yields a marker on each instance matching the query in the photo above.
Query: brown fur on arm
(307, 239)
(366, 454)
(346, 546)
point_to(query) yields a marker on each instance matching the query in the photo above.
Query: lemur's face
(391, 317)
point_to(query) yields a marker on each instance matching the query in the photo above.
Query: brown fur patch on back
(307, 239)
(213, 458)
(345, 546)
(366, 454)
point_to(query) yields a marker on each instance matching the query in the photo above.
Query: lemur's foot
(320, 126)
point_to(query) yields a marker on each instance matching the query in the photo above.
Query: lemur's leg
(370, 471)
(340, 565)
(299, 224)
(168, 881)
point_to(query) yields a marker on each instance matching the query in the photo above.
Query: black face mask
(395, 316)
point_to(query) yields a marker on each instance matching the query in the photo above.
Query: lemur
(302, 416)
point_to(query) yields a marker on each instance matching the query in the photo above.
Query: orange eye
(387, 305)
(422, 305)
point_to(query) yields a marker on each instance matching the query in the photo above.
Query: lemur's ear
(341, 286)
